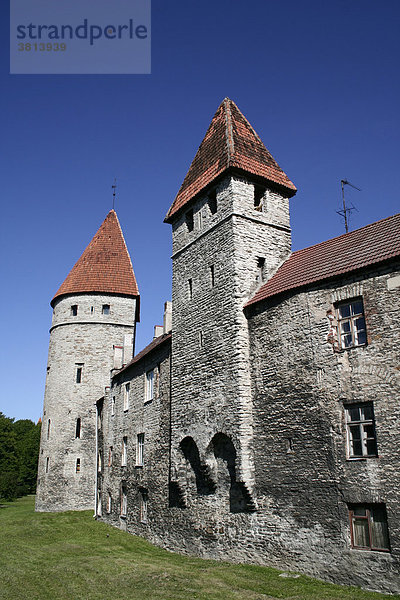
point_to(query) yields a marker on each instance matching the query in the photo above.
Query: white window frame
(124, 453)
(360, 431)
(140, 450)
(351, 327)
(149, 385)
(143, 506)
(127, 388)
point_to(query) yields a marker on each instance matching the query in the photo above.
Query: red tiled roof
(372, 244)
(105, 266)
(149, 348)
(230, 142)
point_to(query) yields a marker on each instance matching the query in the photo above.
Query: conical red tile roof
(105, 266)
(230, 143)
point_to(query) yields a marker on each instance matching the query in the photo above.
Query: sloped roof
(230, 142)
(105, 266)
(372, 244)
(158, 341)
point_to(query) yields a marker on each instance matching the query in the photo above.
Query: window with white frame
(369, 529)
(124, 501)
(140, 450)
(360, 425)
(124, 451)
(351, 323)
(149, 385)
(127, 388)
(143, 506)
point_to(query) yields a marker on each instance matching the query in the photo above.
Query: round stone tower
(93, 331)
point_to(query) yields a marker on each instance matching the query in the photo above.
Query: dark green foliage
(19, 451)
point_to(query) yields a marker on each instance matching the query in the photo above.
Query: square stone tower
(230, 228)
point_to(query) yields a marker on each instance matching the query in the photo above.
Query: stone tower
(231, 231)
(93, 331)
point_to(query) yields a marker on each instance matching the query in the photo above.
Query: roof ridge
(230, 145)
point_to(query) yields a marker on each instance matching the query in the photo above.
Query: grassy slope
(71, 556)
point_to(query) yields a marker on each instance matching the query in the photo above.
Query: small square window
(189, 220)
(351, 324)
(105, 309)
(360, 425)
(369, 530)
(74, 310)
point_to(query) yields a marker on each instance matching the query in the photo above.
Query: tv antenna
(346, 210)
(114, 187)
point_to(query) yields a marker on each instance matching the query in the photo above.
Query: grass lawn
(71, 556)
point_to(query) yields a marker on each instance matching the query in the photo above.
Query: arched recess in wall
(224, 451)
(204, 484)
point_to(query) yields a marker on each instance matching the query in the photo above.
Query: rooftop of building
(229, 144)
(105, 265)
(154, 344)
(353, 251)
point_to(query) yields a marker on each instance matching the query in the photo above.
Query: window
(189, 220)
(47, 464)
(105, 309)
(110, 456)
(78, 465)
(109, 502)
(351, 324)
(149, 385)
(91, 310)
(99, 462)
(99, 415)
(143, 506)
(126, 396)
(140, 450)
(369, 530)
(212, 202)
(48, 429)
(190, 287)
(360, 425)
(124, 451)
(78, 428)
(74, 310)
(260, 269)
(78, 372)
(212, 275)
(124, 502)
(259, 192)
(99, 510)
(113, 406)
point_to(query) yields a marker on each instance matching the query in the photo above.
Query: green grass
(71, 556)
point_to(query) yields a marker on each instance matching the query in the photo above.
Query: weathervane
(114, 187)
(346, 210)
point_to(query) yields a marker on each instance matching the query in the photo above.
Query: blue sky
(319, 82)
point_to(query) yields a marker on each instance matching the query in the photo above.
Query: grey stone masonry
(85, 330)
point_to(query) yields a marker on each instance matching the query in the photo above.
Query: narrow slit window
(78, 372)
(124, 501)
(190, 288)
(212, 275)
(110, 456)
(109, 502)
(259, 192)
(78, 465)
(74, 310)
(113, 406)
(47, 464)
(149, 385)
(260, 269)
(124, 451)
(212, 202)
(189, 220)
(126, 396)
(48, 429)
(143, 506)
(78, 428)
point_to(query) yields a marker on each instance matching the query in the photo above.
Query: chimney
(167, 327)
(158, 330)
(128, 348)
